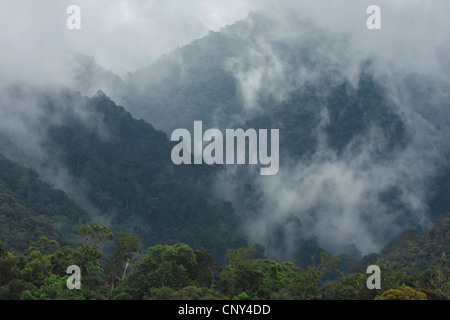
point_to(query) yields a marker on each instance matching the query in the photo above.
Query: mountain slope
(31, 208)
(121, 171)
(361, 144)
(416, 252)
(228, 76)
(360, 151)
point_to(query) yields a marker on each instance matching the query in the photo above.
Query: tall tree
(126, 248)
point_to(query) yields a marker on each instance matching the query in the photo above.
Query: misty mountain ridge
(88, 76)
(359, 132)
(233, 74)
(362, 147)
(119, 168)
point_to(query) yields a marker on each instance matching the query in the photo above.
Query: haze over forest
(363, 118)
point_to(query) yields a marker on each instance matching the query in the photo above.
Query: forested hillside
(31, 209)
(87, 179)
(358, 142)
(120, 169)
(415, 253)
(179, 272)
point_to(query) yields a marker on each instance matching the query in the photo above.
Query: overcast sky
(124, 35)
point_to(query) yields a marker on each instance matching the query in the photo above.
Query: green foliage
(418, 253)
(55, 288)
(38, 267)
(41, 272)
(9, 266)
(242, 296)
(405, 293)
(194, 293)
(418, 262)
(267, 279)
(94, 235)
(435, 280)
(307, 285)
(163, 266)
(126, 248)
(178, 272)
(31, 208)
(351, 287)
(13, 289)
